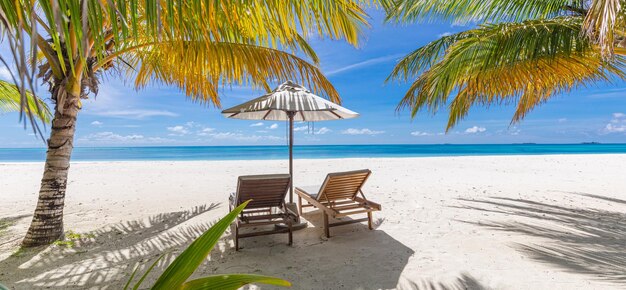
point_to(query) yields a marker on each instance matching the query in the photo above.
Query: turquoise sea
(309, 151)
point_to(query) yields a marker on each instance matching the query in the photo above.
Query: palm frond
(464, 11)
(496, 44)
(200, 69)
(523, 63)
(424, 57)
(10, 101)
(600, 23)
(531, 83)
(75, 35)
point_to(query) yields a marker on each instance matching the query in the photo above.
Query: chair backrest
(342, 185)
(267, 190)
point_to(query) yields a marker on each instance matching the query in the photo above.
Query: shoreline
(306, 145)
(321, 158)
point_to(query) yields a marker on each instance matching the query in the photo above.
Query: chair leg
(369, 220)
(236, 238)
(290, 234)
(326, 228)
(300, 204)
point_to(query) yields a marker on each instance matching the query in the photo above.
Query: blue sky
(162, 116)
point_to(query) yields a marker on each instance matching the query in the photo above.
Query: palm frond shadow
(108, 255)
(463, 282)
(577, 240)
(606, 198)
(5, 224)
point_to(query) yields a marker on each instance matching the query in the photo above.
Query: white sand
(516, 222)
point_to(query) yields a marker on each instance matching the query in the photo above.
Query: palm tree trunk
(47, 224)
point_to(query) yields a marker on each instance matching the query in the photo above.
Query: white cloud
(422, 133)
(419, 133)
(608, 94)
(447, 33)
(178, 130)
(611, 128)
(205, 131)
(365, 63)
(475, 129)
(190, 128)
(114, 138)
(257, 124)
(135, 114)
(562, 120)
(96, 123)
(5, 74)
(242, 137)
(111, 137)
(273, 126)
(364, 131)
(617, 124)
(300, 128)
(322, 131)
(121, 102)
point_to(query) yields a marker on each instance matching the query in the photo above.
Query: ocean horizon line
(316, 145)
(274, 152)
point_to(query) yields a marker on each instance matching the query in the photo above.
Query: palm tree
(521, 52)
(196, 45)
(11, 101)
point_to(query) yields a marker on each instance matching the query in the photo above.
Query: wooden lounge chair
(267, 205)
(337, 197)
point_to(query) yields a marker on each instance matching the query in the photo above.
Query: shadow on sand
(108, 255)
(354, 257)
(577, 240)
(463, 282)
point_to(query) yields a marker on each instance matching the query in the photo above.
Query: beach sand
(497, 222)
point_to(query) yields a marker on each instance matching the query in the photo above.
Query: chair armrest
(368, 203)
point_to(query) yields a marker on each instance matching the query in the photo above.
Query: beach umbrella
(289, 102)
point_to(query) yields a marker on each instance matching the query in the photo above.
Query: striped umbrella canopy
(287, 99)
(292, 102)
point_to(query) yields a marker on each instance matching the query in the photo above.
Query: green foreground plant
(177, 273)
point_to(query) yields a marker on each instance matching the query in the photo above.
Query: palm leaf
(511, 63)
(72, 34)
(531, 83)
(143, 277)
(186, 263)
(10, 100)
(601, 21)
(463, 11)
(232, 282)
(201, 68)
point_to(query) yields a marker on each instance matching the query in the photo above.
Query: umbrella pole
(291, 114)
(299, 224)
